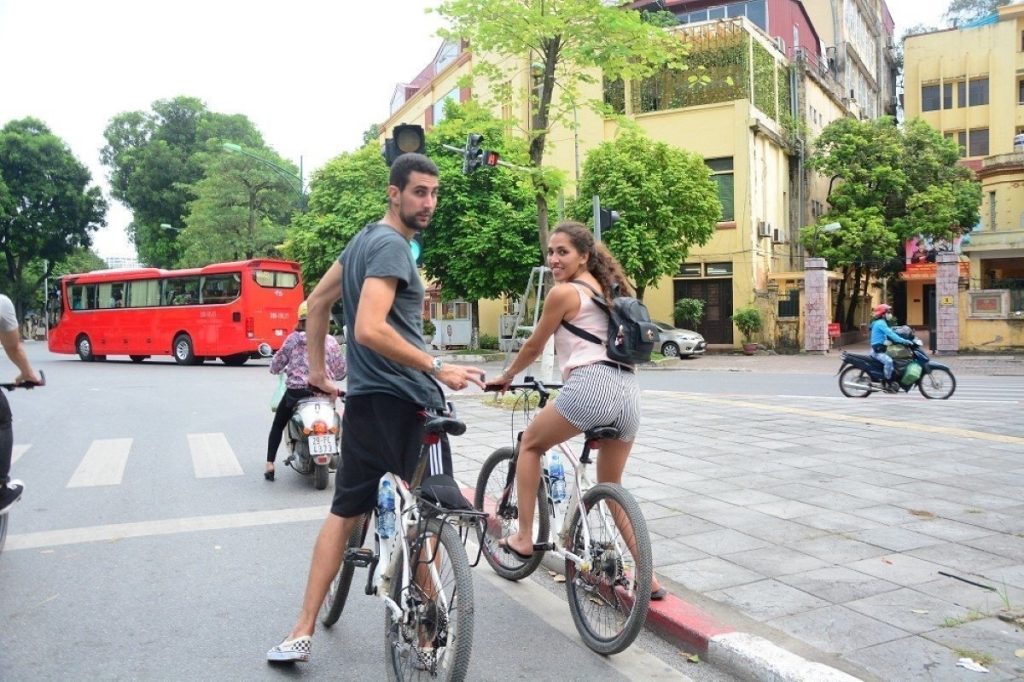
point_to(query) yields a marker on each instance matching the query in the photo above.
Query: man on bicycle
(10, 337)
(389, 373)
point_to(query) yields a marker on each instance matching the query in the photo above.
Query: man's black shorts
(380, 434)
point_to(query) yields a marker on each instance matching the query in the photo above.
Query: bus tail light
(250, 327)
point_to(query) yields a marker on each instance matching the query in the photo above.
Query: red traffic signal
(491, 158)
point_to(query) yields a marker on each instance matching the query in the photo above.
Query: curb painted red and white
(748, 656)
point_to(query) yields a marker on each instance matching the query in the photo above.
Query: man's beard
(410, 221)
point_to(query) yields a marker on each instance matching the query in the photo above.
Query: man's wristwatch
(436, 365)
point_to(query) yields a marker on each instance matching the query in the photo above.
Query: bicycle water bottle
(385, 509)
(556, 474)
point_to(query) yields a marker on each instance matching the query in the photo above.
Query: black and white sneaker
(9, 494)
(291, 650)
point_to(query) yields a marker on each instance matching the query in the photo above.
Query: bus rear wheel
(84, 347)
(184, 353)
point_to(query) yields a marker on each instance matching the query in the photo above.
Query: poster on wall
(921, 253)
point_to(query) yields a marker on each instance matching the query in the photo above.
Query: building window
(978, 142)
(978, 92)
(947, 96)
(721, 173)
(1020, 91)
(453, 95)
(718, 269)
(689, 270)
(929, 98)
(790, 307)
(961, 140)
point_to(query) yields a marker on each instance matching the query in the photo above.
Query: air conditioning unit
(778, 237)
(764, 229)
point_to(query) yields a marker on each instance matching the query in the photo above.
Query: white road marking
(121, 531)
(19, 450)
(212, 456)
(103, 463)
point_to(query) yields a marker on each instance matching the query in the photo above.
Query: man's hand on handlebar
(499, 384)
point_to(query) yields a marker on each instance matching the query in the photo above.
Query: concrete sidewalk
(881, 538)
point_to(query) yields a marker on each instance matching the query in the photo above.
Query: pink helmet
(882, 309)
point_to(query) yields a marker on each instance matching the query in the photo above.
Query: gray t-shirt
(8, 317)
(378, 250)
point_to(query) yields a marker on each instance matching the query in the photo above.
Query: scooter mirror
(264, 350)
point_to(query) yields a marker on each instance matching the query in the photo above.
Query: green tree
(887, 185)
(564, 44)
(346, 194)
(240, 210)
(481, 242)
(154, 157)
(48, 206)
(961, 12)
(664, 195)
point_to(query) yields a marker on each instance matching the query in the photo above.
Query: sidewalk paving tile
(785, 509)
(1011, 546)
(836, 521)
(901, 569)
(723, 541)
(837, 629)
(838, 584)
(910, 610)
(914, 658)
(837, 549)
(895, 539)
(705, 575)
(952, 531)
(774, 561)
(767, 599)
(961, 557)
(991, 636)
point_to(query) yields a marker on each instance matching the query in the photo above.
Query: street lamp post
(283, 172)
(828, 228)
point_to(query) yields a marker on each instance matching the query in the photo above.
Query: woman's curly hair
(601, 263)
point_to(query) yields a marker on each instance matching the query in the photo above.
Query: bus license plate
(322, 445)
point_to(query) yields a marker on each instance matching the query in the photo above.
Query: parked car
(676, 343)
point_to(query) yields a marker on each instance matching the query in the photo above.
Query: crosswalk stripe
(212, 456)
(19, 450)
(103, 463)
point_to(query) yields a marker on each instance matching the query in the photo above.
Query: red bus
(224, 310)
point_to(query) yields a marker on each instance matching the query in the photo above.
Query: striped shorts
(598, 395)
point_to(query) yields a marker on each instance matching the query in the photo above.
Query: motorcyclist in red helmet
(880, 331)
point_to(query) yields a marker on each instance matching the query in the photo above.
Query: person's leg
(284, 412)
(886, 364)
(6, 440)
(546, 430)
(327, 555)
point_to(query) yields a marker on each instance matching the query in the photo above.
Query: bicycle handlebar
(26, 384)
(528, 384)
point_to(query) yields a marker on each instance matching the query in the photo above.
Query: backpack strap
(598, 300)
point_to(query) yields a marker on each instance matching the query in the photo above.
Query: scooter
(5, 518)
(862, 375)
(314, 439)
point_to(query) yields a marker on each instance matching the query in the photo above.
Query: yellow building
(968, 83)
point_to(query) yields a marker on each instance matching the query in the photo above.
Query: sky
(312, 75)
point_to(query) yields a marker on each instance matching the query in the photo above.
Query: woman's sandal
(503, 545)
(269, 475)
(659, 594)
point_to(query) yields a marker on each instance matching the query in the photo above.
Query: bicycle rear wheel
(337, 593)
(501, 523)
(609, 600)
(434, 638)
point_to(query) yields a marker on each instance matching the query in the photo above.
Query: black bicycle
(4, 518)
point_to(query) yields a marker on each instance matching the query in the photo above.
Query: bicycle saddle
(602, 433)
(445, 425)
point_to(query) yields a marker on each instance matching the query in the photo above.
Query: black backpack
(631, 334)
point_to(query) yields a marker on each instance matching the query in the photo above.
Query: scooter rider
(880, 331)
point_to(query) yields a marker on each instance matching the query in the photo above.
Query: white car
(676, 343)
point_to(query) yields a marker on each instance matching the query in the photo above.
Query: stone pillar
(816, 313)
(947, 303)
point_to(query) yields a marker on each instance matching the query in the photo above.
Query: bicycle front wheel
(609, 598)
(503, 520)
(337, 593)
(433, 638)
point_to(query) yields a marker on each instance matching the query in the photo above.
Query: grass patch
(515, 401)
(957, 622)
(976, 656)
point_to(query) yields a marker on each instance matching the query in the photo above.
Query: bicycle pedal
(544, 547)
(360, 556)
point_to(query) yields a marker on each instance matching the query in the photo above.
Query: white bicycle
(421, 572)
(603, 540)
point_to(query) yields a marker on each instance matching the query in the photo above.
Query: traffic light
(473, 155)
(406, 138)
(491, 157)
(608, 218)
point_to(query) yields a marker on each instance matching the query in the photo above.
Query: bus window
(144, 293)
(181, 291)
(83, 297)
(220, 288)
(111, 295)
(276, 279)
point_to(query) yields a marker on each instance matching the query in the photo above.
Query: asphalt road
(121, 563)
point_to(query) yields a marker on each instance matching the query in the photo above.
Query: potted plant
(748, 321)
(428, 331)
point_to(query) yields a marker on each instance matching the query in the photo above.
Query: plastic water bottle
(385, 509)
(556, 474)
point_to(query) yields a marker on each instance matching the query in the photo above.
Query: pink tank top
(573, 351)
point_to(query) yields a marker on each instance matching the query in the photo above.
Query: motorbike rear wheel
(320, 475)
(938, 384)
(850, 381)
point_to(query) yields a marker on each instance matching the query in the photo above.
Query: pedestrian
(597, 392)
(293, 359)
(880, 332)
(10, 338)
(391, 376)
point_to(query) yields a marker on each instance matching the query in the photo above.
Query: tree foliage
(960, 12)
(664, 195)
(888, 184)
(562, 43)
(155, 157)
(48, 207)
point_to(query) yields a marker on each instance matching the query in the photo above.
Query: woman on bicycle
(292, 359)
(597, 391)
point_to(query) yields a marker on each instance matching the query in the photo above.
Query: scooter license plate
(322, 445)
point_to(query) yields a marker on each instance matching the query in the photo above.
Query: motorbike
(313, 436)
(862, 375)
(5, 518)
